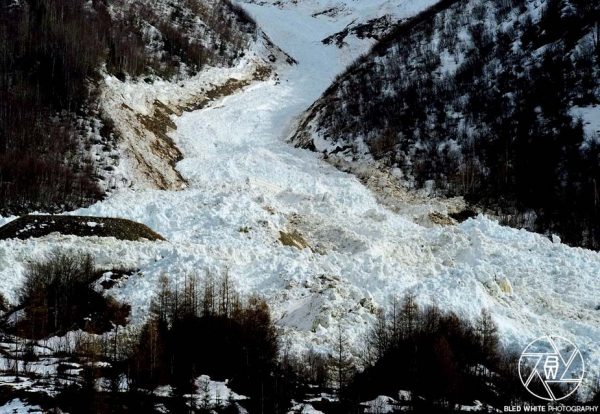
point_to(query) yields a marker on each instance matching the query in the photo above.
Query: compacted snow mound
(246, 186)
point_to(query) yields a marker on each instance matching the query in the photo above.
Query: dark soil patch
(114, 276)
(82, 226)
(230, 87)
(463, 215)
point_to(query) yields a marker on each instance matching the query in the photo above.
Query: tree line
(203, 326)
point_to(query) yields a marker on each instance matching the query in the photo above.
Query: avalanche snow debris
(463, 268)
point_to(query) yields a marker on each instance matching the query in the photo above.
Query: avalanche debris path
(247, 186)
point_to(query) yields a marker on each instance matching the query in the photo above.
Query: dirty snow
(349, 14)
(140, 160)
(243, 175)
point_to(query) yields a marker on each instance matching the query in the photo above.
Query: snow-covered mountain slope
(247, 186)
(195, 51)
(492, 101)
(355, 19)
(140, 112)
(62, 136)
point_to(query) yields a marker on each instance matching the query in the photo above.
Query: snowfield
(247, 184)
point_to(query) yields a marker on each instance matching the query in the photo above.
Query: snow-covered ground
(17, 406)
(590, 117)
(246, 185)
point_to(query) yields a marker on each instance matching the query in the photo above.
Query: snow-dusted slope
(246, 185)
(353, 19)
(463, 100)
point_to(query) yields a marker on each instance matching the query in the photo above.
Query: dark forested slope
(493, 100)
(52, 55)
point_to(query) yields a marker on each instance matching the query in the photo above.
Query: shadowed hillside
(496, 101)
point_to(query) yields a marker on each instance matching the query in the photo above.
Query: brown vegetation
(58, 296)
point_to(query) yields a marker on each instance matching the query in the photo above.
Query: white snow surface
(213, 394)
(590, 115)
(17, 406)
(342, 14)
(304, 408)
(242, 174)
